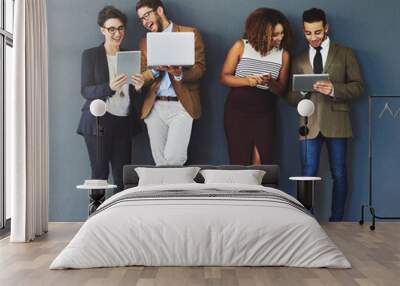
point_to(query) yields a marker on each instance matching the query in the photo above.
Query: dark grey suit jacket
(95, 85)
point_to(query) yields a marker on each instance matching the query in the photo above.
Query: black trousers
(115, 149)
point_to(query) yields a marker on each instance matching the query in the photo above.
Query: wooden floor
(374, 255)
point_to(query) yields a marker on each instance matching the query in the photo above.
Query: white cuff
(179, 77)
(155, 73)
(332, 93)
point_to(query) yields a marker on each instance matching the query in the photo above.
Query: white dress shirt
(324, 52)
(166, 88)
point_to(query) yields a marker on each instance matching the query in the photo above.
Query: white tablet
(305, 82)
(128, 63)
(170, 49)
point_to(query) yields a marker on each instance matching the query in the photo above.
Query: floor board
(374, 255)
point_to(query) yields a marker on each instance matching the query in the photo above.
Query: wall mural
(232, 105)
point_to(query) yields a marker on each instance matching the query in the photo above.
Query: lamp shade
(305, 107)
(98, 107)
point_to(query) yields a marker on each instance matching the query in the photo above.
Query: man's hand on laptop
(174, 70)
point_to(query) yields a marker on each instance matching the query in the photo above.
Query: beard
(159, 24)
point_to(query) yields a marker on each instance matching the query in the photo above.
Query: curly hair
(110, 12)
(259, 28)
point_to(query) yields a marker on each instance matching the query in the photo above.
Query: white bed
(224, 225)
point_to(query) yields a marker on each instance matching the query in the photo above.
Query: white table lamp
(98, 108)
(96, 194)
(305, 107)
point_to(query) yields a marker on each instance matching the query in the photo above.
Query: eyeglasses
(112, 30)
(146, 16)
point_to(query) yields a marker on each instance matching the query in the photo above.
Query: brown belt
(167, 98)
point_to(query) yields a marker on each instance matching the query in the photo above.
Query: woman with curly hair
(257, 70)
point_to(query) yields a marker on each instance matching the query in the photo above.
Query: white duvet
(200, 231)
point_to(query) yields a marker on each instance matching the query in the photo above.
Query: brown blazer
(331, 116)
(188, 89)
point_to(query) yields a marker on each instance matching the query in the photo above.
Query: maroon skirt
(249, 121)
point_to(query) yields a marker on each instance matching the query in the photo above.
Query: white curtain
(27, 123)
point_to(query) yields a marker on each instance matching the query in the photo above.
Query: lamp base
(303, 130)
(96, 198)
(305, 193)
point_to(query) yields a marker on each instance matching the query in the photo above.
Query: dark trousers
(115, 149)
(337, 148)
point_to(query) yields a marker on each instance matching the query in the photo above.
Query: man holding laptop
(330, 122)
(173, 97)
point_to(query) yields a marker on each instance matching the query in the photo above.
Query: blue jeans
(337, 148)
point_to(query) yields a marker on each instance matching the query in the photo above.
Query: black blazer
(95, 85)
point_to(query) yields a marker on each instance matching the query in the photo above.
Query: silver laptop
(170, 49)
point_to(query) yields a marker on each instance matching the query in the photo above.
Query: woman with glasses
(257, 69)
(100, 81)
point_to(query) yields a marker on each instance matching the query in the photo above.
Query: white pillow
(163, 176)
(248, 177)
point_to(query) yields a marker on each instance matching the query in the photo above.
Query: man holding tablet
(330, 122)
(173, 97)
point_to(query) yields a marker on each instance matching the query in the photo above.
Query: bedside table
(97, 195)
(305, 190)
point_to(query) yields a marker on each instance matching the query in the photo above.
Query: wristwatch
(155, 73)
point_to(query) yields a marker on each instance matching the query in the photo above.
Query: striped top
(253, 63)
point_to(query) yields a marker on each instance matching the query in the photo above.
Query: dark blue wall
(385, 130)
(362, 24)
